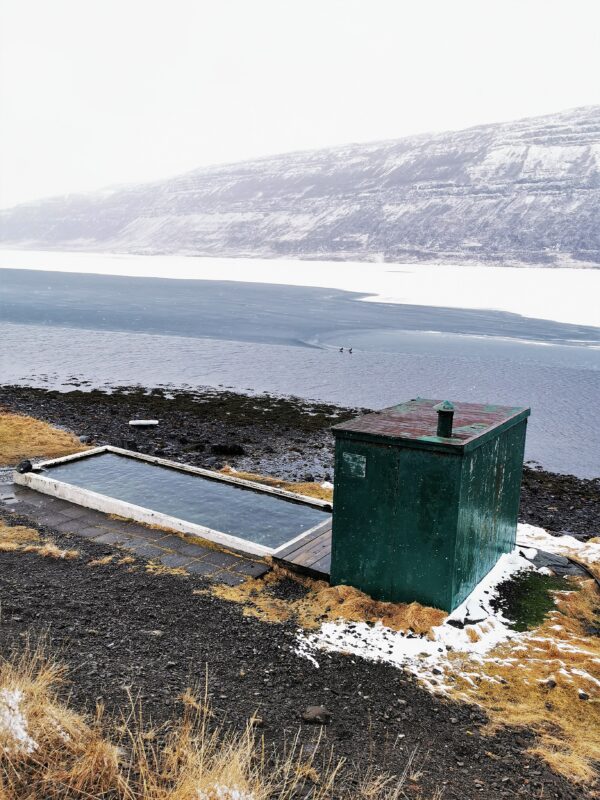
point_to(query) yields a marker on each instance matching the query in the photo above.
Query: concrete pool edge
(87, 498)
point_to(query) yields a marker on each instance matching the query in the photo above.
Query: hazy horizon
(97, 95)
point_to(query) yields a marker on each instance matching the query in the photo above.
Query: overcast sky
(98, 92)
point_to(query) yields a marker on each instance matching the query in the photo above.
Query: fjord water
(256, 516)
(63, 330)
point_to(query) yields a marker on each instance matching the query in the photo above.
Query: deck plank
(323, 566)
(310, 556)
(311, 548)
(306, 540)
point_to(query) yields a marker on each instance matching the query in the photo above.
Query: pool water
(256, 516)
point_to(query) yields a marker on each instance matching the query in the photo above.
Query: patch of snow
(327, 485)
(472, 630)
(583, 674)
(221, 792)
(13, 725)
(427, 656)
(304, 648)
(531, 536)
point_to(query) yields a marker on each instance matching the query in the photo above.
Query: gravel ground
(121, 630)
(284, 437)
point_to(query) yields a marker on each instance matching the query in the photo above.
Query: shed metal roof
(416, 421)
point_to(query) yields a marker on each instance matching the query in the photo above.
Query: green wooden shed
(426, 498)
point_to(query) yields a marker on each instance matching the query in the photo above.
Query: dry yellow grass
(14, 537)
(25, 437)
(28, 540)
(304, 488)
(510, 684)
(187, 537)
(50, 550)
(101, 562)
(534, 681)
(323, 602)
(50, 752)
(156, 568)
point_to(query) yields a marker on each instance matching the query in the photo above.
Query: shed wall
(489, 507)
(395, 514)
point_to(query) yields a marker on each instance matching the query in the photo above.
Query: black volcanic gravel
(284, 437)
(120, 630)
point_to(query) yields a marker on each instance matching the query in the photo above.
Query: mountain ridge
(511, 192)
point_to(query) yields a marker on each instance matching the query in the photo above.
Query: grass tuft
(25, 437)
(321, 602)
(156, 568)
(101, 562)
(308, 489)
(50, 752)
(533, 682)
(18, 538)
(526, 598)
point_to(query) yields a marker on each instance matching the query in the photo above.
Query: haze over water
(62, 329)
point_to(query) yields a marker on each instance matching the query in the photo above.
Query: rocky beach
(286, 438)
(122, 629)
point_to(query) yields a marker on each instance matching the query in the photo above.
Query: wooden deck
(310, 555)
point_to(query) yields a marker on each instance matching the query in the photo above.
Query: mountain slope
(524, 192)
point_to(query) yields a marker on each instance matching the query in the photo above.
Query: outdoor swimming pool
(216, 504)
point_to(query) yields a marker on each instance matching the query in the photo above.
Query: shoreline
(530, 290)
(124, 627)
(283, 437)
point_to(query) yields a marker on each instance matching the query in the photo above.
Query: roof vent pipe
(445, 412)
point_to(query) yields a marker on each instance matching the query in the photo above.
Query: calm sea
(62, 329)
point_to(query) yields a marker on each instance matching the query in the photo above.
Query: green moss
(526, 598)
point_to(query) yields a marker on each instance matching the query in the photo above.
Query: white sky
(98, 92)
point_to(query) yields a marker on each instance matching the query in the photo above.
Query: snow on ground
(559, 294)
(472, 630)
(540, 539)
(13, 725)
(222, 792)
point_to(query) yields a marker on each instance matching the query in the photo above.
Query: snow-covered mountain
(519, 192)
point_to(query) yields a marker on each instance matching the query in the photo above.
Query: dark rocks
(558, 564)
(265, 427)
(561, 503)
(86, 438)
(583, 695)
(24, 466)
(316, 715)
(165, 634)
(288, 589)
(212, 463)
(228, 450)
(195, 447)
